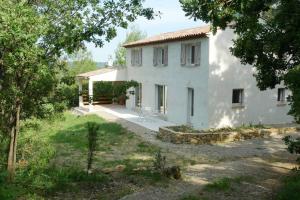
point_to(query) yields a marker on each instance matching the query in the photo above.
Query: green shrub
(293, 145)
(159, 163)
(292, 81)
(223, 184)
(291, 188)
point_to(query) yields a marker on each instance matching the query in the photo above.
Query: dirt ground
(265, 161)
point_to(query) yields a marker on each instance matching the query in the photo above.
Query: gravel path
(264, 159)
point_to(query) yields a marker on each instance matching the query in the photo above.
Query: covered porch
(87, 100)
(139, 116)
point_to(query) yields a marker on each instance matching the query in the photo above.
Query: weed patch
(291, 187)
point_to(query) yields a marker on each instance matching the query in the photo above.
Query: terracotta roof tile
(172, 36)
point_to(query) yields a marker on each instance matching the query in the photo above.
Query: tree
(34, 35)
(268, 36)
(81, 62)
(120, 53)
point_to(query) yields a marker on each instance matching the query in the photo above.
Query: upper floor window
(281, 95)
(237, 97)
(160, 56)
(191, 54)
(136, 57)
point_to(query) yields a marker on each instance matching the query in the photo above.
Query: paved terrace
(147, 121)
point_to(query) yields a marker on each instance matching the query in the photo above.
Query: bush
(291, 188)
(292, 80)
(293, 145)
(159, 163)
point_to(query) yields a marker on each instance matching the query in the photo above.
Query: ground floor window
(138, 95)
(281, 95)
(191, 101)
(161, 95)
(238, 96)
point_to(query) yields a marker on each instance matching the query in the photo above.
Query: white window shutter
(154, 56)
(137, 57)
(140, 56)
(132, 57)
(198, 54)
(166, 56)
(183, 54)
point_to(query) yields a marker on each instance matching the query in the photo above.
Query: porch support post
(80, 93)
(91, 107)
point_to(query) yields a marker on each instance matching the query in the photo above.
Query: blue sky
(172, 19)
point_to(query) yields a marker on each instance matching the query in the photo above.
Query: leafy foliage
(293, 145)
(33, 37)
(290, 188)
(268, 34)
(120, 53)
(81, 62)
(159, 163)
(52, 159)
(292, 80)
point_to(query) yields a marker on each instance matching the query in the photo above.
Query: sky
(172, 19)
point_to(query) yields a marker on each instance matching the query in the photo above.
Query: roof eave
(166, 40)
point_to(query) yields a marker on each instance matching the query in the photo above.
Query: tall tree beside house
(81, 62)
(268, 37)
(120, 53)
(33, 37)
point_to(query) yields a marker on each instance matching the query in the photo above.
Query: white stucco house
(190, 77)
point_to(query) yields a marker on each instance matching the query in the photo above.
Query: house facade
(190, 77)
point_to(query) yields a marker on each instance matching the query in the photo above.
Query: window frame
(241, 97)
(191, 92)
(193, 55)
(163, 89)
(281, 96)
(137, 54)
(160, 56)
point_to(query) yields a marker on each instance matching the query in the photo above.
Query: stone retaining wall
(168, 135)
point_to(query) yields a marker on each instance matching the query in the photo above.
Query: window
(160, 56)
(161, 95)
(136, 57)
(193, 52)
(138, 95)
(281, 95)
(190, 54)
(191, 101)
(238, 96)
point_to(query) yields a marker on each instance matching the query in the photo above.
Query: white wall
(177, 79)
(225, 74)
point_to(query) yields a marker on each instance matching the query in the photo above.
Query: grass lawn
(52, 159)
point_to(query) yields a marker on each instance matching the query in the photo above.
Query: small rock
(120, 168)
(107, 170)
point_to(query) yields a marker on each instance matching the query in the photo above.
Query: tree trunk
(11, 160)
